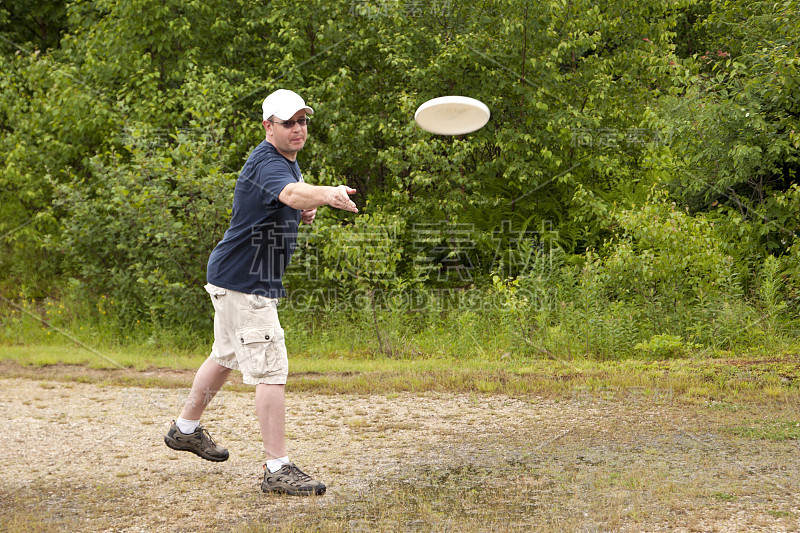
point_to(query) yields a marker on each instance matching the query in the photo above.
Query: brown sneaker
(291, 480)
(199, 443)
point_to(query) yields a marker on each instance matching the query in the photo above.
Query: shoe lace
(302, 476)
(206, 436)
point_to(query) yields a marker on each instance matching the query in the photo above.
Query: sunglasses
(289, 124)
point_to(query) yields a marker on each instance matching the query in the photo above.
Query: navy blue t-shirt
(259, 243)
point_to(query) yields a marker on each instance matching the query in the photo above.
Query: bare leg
(209, 379)
(270, 407)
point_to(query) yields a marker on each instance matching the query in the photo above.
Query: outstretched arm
(306, 196)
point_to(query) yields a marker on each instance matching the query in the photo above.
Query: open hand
(340, 198)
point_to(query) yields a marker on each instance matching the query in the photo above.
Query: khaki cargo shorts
(248, 336)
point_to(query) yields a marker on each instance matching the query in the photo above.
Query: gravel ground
(88, 457)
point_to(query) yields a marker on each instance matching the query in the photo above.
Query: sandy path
(89, 457)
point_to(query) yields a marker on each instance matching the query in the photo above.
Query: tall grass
(571, 312)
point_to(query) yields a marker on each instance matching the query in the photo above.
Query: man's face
(288, 141)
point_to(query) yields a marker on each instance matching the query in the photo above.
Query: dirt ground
(89, 457)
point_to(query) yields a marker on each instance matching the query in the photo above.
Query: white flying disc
(452, 115)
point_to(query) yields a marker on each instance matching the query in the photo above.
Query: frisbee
(452, 115)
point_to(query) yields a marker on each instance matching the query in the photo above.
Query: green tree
(733, 118)
(27, 25)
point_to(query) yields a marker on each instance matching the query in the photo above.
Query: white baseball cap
(283, 104)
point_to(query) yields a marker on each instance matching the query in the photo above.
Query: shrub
(141, 236)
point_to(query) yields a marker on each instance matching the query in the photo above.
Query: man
(244, 281)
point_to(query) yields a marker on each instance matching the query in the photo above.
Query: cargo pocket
(259, 355)
(254, 301)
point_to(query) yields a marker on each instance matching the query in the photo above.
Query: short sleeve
(272, 177)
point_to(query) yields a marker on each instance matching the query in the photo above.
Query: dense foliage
(637, 178)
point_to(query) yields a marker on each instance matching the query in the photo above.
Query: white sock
(187, 426)
(273, 465)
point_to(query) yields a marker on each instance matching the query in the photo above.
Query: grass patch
(780, 430)
(130, 356)
(723, 496)
(26, 511)
(722, 383)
